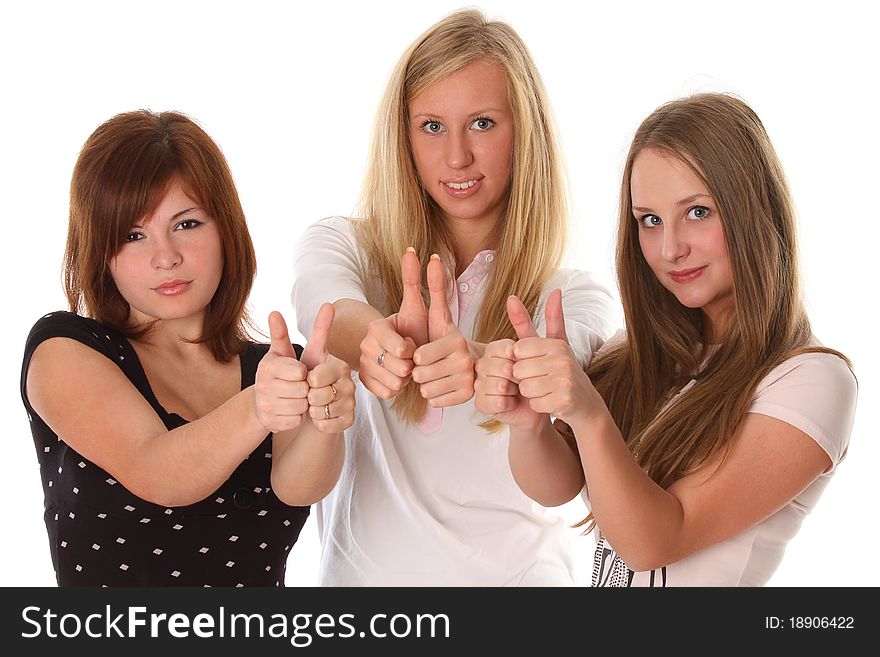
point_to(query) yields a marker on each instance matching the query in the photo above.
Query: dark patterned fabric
(100, 534)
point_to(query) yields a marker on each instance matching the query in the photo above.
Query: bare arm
(306, 462)
(95, 409)
(544, 464)
(353, 318)
(770, 463)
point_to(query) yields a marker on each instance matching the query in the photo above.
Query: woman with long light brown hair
(706, 432)
(465, 180)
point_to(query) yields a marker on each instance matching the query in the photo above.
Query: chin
(692, 301)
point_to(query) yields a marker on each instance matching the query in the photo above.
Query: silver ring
(327, 411)
(381, 357)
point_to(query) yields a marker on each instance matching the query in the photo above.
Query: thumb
(412, 302)
(519, 317)
(280, 344)
(316, 348)
(554, 316)
(439, 315)
(412, 317)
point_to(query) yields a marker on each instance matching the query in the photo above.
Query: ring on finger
(333, 389)
(327, 411)
(381, 358)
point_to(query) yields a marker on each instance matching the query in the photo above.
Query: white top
(814, 392)
(434, 504)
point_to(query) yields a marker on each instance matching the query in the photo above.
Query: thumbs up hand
(497, 391)
(444, 367)
(331, 390)
(386, 364)
(280, 387)
(548, 373)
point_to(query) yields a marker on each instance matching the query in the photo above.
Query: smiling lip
(170, 288)
(468, 186)
(687, 275)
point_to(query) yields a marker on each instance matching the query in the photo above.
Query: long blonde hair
(397, 212)
(724, 142)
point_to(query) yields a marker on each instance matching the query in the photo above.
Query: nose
(675, 246)
(458, 151)
(165, 254)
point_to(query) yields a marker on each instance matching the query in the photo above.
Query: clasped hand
(317, 386)
(520, 382)
(418, 343)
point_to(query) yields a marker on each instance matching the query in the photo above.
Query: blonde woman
(465, 178)
(709, 430)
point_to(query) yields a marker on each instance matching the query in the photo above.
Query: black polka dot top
(100, 534)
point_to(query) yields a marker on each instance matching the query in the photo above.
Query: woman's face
(461, 131)
(681, 235)
(171, 262)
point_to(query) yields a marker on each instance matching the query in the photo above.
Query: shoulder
(333, 238)
(817, 368)
(60, 358)
(330, 227)
(815, 392)
(63, 324)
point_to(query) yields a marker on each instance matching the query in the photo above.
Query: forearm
(349, 328)
(543, 465)
(307, 468)
(640, 519)
(186, 464)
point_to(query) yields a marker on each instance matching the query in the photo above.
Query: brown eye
(188, 224)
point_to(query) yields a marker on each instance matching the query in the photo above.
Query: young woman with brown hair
(173, 450)
(707, 431)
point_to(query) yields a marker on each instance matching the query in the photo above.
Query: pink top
(466, 287)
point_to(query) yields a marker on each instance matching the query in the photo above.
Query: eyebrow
(183, 212)
(435, 115)
(684, 201)
(172, 218)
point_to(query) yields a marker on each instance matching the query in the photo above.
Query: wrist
(590, 424)
(257, 425)
(530, 428)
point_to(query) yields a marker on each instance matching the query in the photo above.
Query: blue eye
(432, 127)
(482, 123)
(650, 221)
(698, 212)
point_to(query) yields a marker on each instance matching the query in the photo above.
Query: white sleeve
(589, 311)
(327, 267)
(815, 393)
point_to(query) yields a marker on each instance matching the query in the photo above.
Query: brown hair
(399, 213)
(123, 171)
(722, 140)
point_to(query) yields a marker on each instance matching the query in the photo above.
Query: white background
(289, 90)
